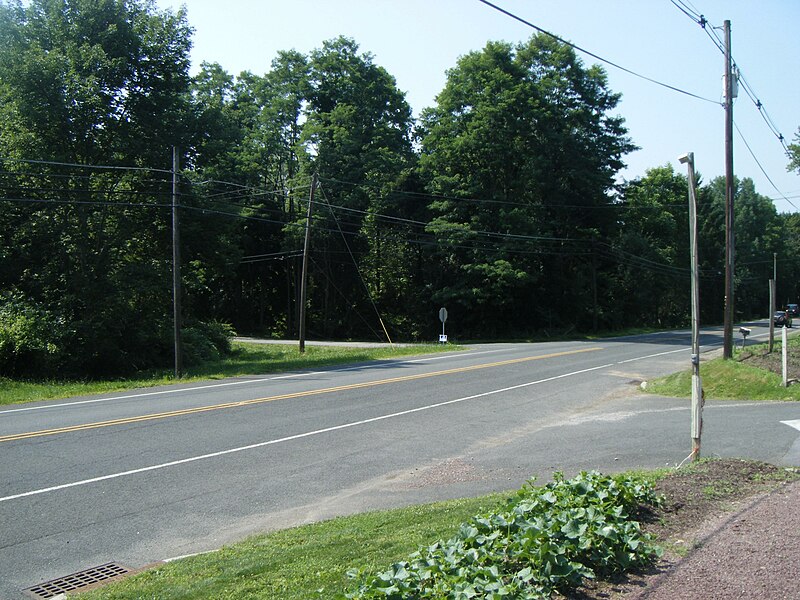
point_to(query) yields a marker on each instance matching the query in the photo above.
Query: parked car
(793, 309)
(782, 318)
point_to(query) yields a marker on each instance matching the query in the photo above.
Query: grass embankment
(539, 540)
(312, 561)
(753, 374)
(246, 359)
(302, 563)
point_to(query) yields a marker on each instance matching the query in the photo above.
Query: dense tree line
(501, 202)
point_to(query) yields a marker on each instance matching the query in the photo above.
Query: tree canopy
(523, 144)
(502, 202)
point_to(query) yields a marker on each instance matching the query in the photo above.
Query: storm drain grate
(70, 583)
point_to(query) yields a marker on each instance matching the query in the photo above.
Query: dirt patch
(757, 356)
(697, 498)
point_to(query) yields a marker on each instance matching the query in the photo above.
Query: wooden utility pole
(727, 348)
(304, 274)
(594, 287)
(176, 267)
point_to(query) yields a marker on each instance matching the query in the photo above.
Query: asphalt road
(149, 475)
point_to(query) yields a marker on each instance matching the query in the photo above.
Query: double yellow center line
(226, 405)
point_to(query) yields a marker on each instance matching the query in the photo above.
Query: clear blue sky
(418, 40)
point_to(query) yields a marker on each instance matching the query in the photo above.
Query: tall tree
(358, 138)
(759, 235)
(651, 251)
(522, 144)
(93, 82)
(248, 161)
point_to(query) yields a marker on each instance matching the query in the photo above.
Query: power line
(762, 111)
(528, 205)
(618, 255)
(105, 203)
(83, 166)
(715, 39)
(593, 55)
(741, 135)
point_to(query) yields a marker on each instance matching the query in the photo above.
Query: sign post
(697, 383)
(443, 318)
(785, 356)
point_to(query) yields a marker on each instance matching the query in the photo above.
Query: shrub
(203, 342)
(219, 334)
(545, 540)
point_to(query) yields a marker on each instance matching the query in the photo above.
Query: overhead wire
(83, 166)
(475, 244)
(491, 201)
(476, 241)
(358, 270)
(689, 11)
(745, 85)
(593, 55)
(546, 245)
(755, 158)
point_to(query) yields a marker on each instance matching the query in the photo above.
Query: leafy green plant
(545, 540)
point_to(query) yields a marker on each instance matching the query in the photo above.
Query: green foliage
(502, 205)
(545, 540)
(655, 232)
(302, 563)
(31, 339)
(206, 342)
(760, 234)
(522, 149)
(92, 82)
(794, 153)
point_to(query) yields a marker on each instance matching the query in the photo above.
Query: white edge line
(141, 395)
(630, 360)
(256, 379)
(290, 438)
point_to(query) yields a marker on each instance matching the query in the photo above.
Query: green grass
(246, 359)
(305, 562)
(311, 561)
(729, 380)
(726, 380)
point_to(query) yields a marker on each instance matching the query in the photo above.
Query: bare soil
(698, 499)
(757, 356)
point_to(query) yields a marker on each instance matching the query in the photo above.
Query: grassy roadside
(246, 359)
(753, 374)
(312, 561)
(302, 563)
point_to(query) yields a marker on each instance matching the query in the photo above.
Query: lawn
(752, 374)
(305, 562)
